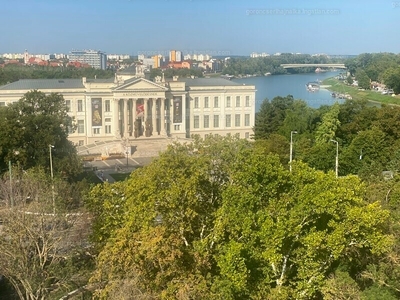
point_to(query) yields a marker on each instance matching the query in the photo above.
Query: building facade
(132, 108)
(95, 59)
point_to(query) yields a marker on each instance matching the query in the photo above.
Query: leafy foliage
(220, 219)
(30, 125)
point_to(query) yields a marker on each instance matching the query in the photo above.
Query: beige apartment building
(128, 108)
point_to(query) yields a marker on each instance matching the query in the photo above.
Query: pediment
(140, 85)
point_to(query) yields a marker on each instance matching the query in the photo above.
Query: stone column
(126, 134)
(154, 116)
(115, 123)
(163, 129)
(146, 116)
(133, 116)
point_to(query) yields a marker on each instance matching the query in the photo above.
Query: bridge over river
(337, 66)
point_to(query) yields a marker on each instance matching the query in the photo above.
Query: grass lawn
(120, 176)
(338, 86)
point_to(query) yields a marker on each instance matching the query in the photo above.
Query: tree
(349, 80)
(33, 123)
(326, 130)
(41, 252)
(281, 232)
(164, 220)
(271, 116)
(392, 79)
(218, 219)
(363, 79)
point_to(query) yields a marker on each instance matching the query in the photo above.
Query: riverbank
(335, 85)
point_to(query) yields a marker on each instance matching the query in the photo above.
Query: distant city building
(13, 55)
(94, 58)
(197, 57)
(157, 61)
(178, 56)
(26, 57)
(118, 56)
(148, 62)
(172, 55)
(179, 64)
(255, 54)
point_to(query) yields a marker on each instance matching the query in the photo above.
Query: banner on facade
(139, 110)
(177, 117)
(96, 112)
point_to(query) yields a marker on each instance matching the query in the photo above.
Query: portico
(140, 109)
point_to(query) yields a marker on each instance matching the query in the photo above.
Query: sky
(215, 27)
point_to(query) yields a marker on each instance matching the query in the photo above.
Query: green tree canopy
(33, 123)
(216, 219)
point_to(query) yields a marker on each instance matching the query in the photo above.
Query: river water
(295, 85)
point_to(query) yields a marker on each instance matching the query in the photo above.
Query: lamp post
(127, 153)
(337, 157)
(52, 179)
(291, 149)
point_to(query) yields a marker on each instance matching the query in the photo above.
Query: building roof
(44, 84)
(100, 80)
(208, 82)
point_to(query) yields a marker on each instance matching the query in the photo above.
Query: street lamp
(291, 149)
(337, 157)
(127, 153)
(52, 179)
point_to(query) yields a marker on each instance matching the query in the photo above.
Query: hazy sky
(226, 27)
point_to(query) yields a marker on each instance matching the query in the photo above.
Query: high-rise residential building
(94, 58)
(178, 56)
(172, 55)
(157, 61)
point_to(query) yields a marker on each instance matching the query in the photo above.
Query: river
(295, 85)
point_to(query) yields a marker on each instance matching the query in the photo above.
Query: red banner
(139, 110)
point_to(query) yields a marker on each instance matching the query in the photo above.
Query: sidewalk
(104, 176)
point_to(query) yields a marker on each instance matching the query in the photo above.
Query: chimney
(83, 80)
(175, 78)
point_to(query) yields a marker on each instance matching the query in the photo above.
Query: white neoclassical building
(127, 107)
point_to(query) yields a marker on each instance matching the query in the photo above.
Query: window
(196, 122)
(216, 104)
(206, 102)
(107, 106)
(196, 102)
(247, 104)
(96, 130)
(237, 101)
(228, 121)
(108, 128)
(81, 142)
(107, 120)
(81, 126)
(246, 120)
(177, 127)
(228, 101)
(237, 120)
(206, 121)
(247, 135)
(216, 121)
(80, 105)
(68, 105)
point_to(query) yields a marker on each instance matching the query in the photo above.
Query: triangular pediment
(140, 85)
